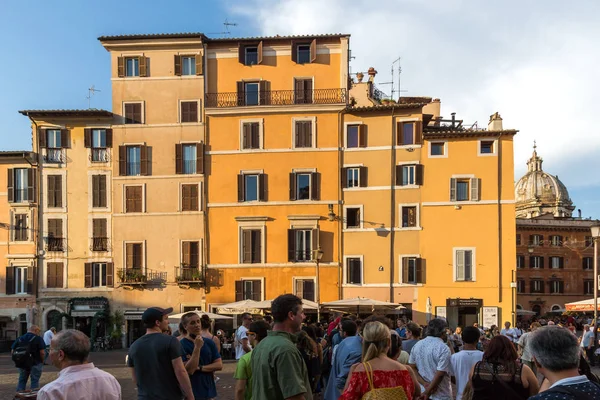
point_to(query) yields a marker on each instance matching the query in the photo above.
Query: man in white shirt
(242, 344)
(462, 362)
(48, 336)
(78, 378)
(508, 332)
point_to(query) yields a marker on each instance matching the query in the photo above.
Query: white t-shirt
(460, 367)
(240, 334)
(48, 335)
(509, 333)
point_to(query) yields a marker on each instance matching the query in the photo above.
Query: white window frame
(550, 262)
(444, 142)
(414, 167)
(346, 125)
(303, 229)
(143, 242)
(183, 160)
(65, 232)
(537, 258)
(591, 283)
(263, 237)
(314, 132)
(193, 63)
(260, 122)
(246, 55)
(23, 281)
(255, 278)
(200, 251)
(400, 257)
(590, 265)
(557, 283)
(473, 251)
(125, 57)
(29, 218)
(257, 83)
(536, 282)
(180, 206)
(362, 270)
(494, 148)
(360, 222)
(409, 228)
(558, 307)
(124, 200)
(143, 103)
(304, 278)
(537, 241)
(297, 174)
(414, 139)
(298, 53)
(354, 167)
(517, 261)
(197, 101)
(99, 262)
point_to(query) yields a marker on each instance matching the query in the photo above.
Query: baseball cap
(155, 313)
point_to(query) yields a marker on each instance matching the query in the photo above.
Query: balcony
(139, 276)
(189, 275)
(301, 256)
(100, 244)
(100, 155)
(54, 156)
(55, 244)
(276, 98)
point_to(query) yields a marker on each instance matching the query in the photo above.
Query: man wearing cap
(155, 360)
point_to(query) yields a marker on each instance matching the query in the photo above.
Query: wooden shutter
(259, 49)
(256, 246)
(291, 245)
(87, 138)
(240, 188)
(87, 281)
(51, 275)
(109, 138)
(313, 51)
(143, 65)
(314, 234)
(122, 160)
(561, 262)
(239, 291)
(242, 54)
(452, 189)
(241, 98)
(542, 288)
(102, 194)
(308, 133)
(195, 254)
(399, 134)
(110, 273)
(178, 158)
(246, 246)
(474, 189)
(42, 137)
(257, 290)
(405, 269)
(95, 190)
(192, 108)
(58, 190)
(460, 265)
(246, 135)
(262, 187)
(363, 176)
(199, 64)
(419, 174)
(129, 255)
(418, 132)
(185, 253)
(292, 186)
(31, 185)
(294, 51)
(10, 185)
(177, 65)
(541, 262)
(121, 67)
(315, 186)
(144, 161)
(137, 112)
(264, 93)
(344, 178)
(199, 158)
(185, 198)
(10, 280)
(420, 270)
(561, 286)
(64, 138)
(308, 289)
(51, 194)
(255, 134)
(399, 180)
(362, 135)
(31, 280)
(194, 198)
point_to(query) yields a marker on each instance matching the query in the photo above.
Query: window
(412, 270)
(99, 195)
(588, 263)
(248, 289)
(189, 111)
(536, 262)
(251, 135)
(556, 262)
(21, 185)
(304, 186)
(189, 159)
(251, 91)
(132, 66)
(356, 136)
(21, 233)
(408, 175)
(464, 189)
(134, 255)
(303, 91)
(353, 218)
(20, 280)
(54, 191)
(486, 147)
(134, 160)
(352, 177)
(354, 271)
(99, 140)
(556, 241)
(301, 243)
(588, 286)
(251, 54)
(133, 113)
(520, 261)
(521, 286)
(305, 289)
(55, 234)
(303, 54)
(251, 246)
(189, 197)
(556, 287)
(409, 133)
(134, 199)
(53, 139)
(409, 216)
(536, 240)
(98, 274)
(589, 241)
(54, 275)
(252, 187)
(99, 234)
(518, 239)
(188, 65)
(464, 265)
(303, 134)
(437, 149)
(190, 254)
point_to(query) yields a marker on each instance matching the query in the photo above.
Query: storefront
(466, 312)
(82, 312)
(133, 326)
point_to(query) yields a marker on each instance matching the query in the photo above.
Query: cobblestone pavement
(112, 362)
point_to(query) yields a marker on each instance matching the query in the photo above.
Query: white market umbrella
(240, 307)
(359, 302)
(526, 312)
(583, 305)
(306, 304)
(201, 313)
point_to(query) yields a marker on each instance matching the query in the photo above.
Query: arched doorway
(537, 309)
(556, 307)
(519, 307)
(50, 320)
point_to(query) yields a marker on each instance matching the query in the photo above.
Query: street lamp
(595, 235)
(317, 255)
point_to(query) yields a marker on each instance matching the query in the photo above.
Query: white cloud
(534, 62)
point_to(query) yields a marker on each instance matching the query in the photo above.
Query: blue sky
(535, 65)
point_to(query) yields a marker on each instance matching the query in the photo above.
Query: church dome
(538, 193)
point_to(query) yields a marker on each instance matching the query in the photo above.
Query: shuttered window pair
(134, 199)
(134, 255)
(251, 136)
(55, 234)
(557, 287)
(354, 271)
(302, 244)
(54, 274)
(557, 262)
(189, 111)
(305, 186)
(248, 289)
(356, 136)
(53, 138)
(464, 265)
(21, 185)
(134, 160)
(536, 286)
(252, 187)
(133, 113)
(99, 274)
(304, 52)
(536, 262)
(305, 289)
(99, 192)
(407, 175)
(465, 189)
(251, 246)
(99, 234)
(100, 138)
(303, 134)
(413, 270)
(250, 53)
(190, 254)
(353, 177)
(409, 133)
(55, 191)
(20, 228)
(188, 65)
(303, 91)
(133, 66)
(253, 93)
(189, 197)
(21, 280)
(189, 158)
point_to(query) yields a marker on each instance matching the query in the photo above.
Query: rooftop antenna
(399, 90)
(91, 92)
(226, 24)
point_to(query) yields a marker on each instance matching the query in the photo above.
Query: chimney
(495, 123)
(453, 119)
(579, 212)
(371, 72)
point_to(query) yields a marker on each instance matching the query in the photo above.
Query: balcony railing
(100, 244)
(302, 256)
(185, 274)
(100, 155)
(54, 156)
(276, 98)
(139, 276)
(55, 244)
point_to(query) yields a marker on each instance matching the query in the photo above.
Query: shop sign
(464, 302)
(490, 316)
(440, 312)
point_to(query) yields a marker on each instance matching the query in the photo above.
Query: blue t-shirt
(203, 383)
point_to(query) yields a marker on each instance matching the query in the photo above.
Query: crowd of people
(346, 358)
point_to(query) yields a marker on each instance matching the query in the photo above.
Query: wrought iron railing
(302, 255)
(54, 156)
(100, 244)
(189, 274)
(277, 98)
(377, 94)
(100, 155)
(55, 244)
(138, 276)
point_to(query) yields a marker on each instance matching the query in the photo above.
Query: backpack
(22, 354)
(391, 393)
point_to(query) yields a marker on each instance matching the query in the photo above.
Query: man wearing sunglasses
(242, 344)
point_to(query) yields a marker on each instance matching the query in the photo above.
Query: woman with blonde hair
(377, 372)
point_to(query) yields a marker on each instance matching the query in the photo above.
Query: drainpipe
(339, 210)
(393, 205)
(499, 206)
(38, 189)
(205, 208)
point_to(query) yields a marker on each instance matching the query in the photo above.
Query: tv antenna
(399, 71)
(91, 92)
(226, 24)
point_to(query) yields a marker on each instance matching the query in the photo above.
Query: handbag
(393, 393)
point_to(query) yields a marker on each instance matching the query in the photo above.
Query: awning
(86, 313)
(133, 314)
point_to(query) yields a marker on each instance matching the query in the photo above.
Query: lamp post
(317, 255)
(595, 235)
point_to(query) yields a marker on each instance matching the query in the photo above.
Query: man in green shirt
(243, 371)
(279, 372)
